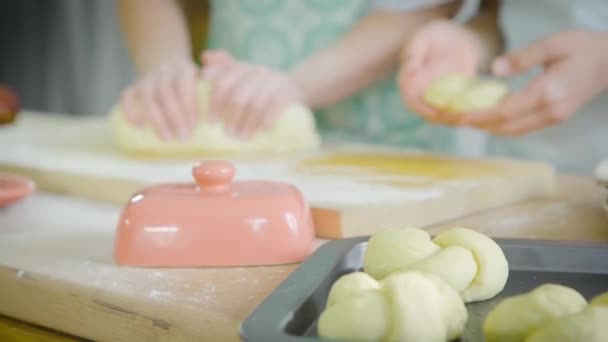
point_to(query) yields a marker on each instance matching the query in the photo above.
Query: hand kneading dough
(294, 130)
(463, 94)
(472, 263)
(516, 317)
(405, 306)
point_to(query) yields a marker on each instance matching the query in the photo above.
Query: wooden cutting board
(353, 190)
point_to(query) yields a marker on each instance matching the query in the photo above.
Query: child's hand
(437, 49)
(246, 97)
(166, 100)
(575, 70)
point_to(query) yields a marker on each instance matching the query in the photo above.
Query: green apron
(281, 33)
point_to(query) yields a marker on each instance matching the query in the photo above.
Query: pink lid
(215, 222)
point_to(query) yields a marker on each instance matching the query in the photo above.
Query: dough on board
(293, 130)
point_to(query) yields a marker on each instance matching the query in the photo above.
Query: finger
(523, 125)
(187, 91)
(537, 53)
(531, 99)
(131, 109)
(168, 98)
(213, 74)
(243, 108)
(412, 87)
(265, 104)
(416, 53)
(153, 111)
(221, 57)
(222, 101)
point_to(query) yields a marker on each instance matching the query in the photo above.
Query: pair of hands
(245, 97)
(575, 69)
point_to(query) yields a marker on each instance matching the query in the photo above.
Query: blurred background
(68, 56)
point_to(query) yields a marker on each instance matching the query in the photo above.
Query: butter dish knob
(214, 175)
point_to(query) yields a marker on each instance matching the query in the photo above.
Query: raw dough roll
(472, 263)
(591, 325)
(294, 130)
(516, 317)
(463, 94)
(405, 306)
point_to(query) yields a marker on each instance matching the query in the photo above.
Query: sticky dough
(294, 130)
(463, 94)
(550, 312)
(405, 306)
(470, 262)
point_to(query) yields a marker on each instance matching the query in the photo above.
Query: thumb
(221, 57)
(537, 53)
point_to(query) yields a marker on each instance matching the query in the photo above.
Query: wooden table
(574, 213)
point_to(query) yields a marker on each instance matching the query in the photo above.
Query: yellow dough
(470, 262)
(294, 130)
(492, 265)
(591, 325)
(516, 317)
(600, 300)
(462, 94)
(349, 285)
(405, 306)
(391, 249)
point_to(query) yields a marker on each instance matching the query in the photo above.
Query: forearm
(366, 54)
(155, 32)
(486, 29)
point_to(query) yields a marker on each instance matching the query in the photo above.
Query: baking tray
(290, 313)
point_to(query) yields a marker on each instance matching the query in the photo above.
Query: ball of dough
(600, 300)
(516, 317)
(405, 306)
(442, 264)
(492, 266)
(392, 249)
(479, 96)
(350, 285)
(294, 130)
(591, 325)
(456, 93)
(442, 92)
(424, 308)
(365, 317)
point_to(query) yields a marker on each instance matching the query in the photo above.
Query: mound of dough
(470, 262)
(294, 130)
(462, 94)
(591, 325)
(405, 306)
(517, 317)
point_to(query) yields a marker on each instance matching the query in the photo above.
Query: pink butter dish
(14, 188)
(215, 222)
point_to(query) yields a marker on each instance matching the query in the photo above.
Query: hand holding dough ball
(472, 263)
(405, 306)
(293, 130)
(515, 318)
(464, 94)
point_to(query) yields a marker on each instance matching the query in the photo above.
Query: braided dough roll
(293, 130)
(516, 317)
(472, 263)
(405, 306)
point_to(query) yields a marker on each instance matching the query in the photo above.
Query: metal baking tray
(290, 313)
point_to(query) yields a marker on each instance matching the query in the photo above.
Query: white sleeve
(468, 9)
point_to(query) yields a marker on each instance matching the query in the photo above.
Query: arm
(366, 54)
(164, 96)
(156, 33)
